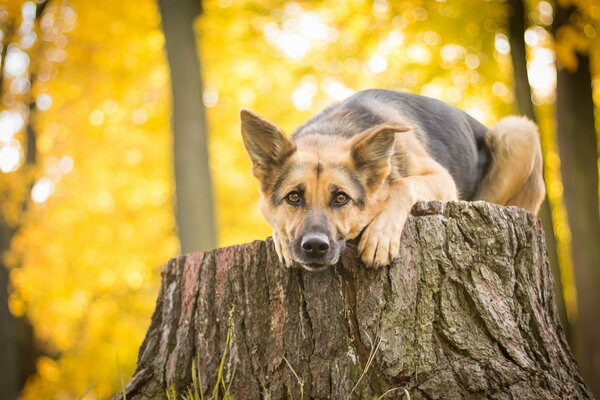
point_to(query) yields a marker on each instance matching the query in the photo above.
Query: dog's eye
(340, 198)
(294, 198)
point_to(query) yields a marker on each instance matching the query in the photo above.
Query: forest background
(98, 189)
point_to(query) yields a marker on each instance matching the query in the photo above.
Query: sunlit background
(86, 162)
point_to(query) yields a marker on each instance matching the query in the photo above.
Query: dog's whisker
(352, 246)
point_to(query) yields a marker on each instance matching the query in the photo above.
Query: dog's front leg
(380, 240)
(282, 248)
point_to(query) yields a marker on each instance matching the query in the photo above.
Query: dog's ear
(266, 144)
(373, 148)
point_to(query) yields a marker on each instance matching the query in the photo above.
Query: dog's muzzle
(315, 251)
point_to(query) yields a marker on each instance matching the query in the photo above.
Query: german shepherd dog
(360, 165)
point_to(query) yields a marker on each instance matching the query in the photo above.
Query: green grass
(222, 385)
(393, 390)
(87, 390)
(298, 379)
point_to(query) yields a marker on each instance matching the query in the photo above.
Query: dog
(359, 166)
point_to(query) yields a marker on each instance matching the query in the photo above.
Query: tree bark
(467, 311)
(518, 54)
(193, 188)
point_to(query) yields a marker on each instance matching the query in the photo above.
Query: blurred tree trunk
(579, 160)
(579, 167)
(9, 371)
(8, 351)
(518, 53)
(517, 25)
(194, 204)
(466, 312)
(18, 351)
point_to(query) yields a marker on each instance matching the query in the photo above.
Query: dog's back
(451, 136)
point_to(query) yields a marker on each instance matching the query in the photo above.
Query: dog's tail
(515, 175)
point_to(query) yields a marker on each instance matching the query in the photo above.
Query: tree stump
(467, 311)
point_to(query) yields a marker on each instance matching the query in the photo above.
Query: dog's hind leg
(515, 175)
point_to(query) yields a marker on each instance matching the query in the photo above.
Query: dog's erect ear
(266, 144)
(373, 148)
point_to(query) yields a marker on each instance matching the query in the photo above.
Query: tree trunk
(578, 155)
(518, 53)
(193, 189)
(467, 311)
(9, 372)
(18, 350)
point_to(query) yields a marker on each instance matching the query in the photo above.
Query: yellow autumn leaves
(87, 259)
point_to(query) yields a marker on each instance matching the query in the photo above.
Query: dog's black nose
(315, 245)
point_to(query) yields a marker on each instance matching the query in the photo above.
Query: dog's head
(321, 190)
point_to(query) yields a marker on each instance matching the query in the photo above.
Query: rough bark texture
(466, 312)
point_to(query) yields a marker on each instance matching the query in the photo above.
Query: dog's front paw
(282, 248)
(380, 241)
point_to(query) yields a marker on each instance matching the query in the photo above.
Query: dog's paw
(282, 248)
(380, 241)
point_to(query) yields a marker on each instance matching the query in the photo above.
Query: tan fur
(346, 221)
(394, 171)
(426, 180)
(515, 176)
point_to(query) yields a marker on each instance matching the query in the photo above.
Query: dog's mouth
(316, 267)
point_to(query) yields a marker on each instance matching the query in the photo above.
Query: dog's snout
(315, 244)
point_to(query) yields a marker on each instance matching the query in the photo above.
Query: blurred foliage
(86, 262)
(89, 253)
(581, 34)
(287, 60)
